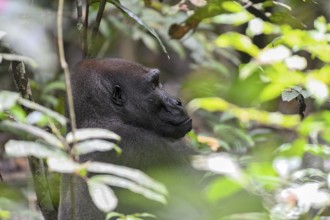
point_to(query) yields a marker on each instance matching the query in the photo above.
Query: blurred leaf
(18, 113)
(215, 190)
(63, 165)
(102, 195)
(244, 114)
(2, 34)
(37, 118)
(129, 173)
(286, 18)
(91, 133)
(238, 41)
(7, 100)
(27, 148)
(213, 8)
(19, 128)
(57, 85)
(139, 21)
(52, 114)
(89, 146)
(290, 94)
(127, 184)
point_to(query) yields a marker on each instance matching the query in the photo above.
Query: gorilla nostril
(178, 102)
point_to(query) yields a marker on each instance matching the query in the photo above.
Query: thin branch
(96, 25)
(85, 48)
(80, 23)
(65, 68)
(37, 166)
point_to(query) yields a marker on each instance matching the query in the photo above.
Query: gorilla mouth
(180, 123)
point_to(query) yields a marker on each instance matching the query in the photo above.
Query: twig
(96, 25)
(65, 68)
(37, 166)
(80, 23)
(85, 48)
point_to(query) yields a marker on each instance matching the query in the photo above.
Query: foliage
(254, 66)
(53, 147)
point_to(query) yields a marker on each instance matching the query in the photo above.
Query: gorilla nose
(177, 102)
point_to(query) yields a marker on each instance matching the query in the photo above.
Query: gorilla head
(120, 91)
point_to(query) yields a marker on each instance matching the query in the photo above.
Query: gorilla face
(133, 94)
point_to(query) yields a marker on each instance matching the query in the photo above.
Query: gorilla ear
(116, 95)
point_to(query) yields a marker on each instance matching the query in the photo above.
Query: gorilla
(128, 99)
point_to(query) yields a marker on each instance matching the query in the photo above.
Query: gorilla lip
(186, 121)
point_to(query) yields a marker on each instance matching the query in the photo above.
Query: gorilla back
(126, 98)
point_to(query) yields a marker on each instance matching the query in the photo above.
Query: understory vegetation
(254, 76)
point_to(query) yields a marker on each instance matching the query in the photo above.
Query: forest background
(254, 75)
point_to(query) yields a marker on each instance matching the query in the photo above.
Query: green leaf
(18, 113)
(18, 128)
(52, 114)
(102, 195)
(215, 191)
(238, 41)
(7, 100)
(139, 21)
(114, 214)
(129, 173)
(90, 133)
(127, 184)
(27, 148)
(57, 85)
(95, 145)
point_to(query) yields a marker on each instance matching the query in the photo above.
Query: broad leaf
(289, 94)
(18, 128)
(127, 184)
(63, 165)
(95, 145)
(90, 133)
(102, 195)
(27, 148)
(129, 173)
(32, 105)
(7, 100)
(239, 42)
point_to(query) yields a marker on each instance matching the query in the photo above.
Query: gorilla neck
(153, 150)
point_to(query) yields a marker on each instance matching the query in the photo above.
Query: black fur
(128, 99)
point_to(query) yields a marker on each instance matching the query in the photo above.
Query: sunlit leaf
(89, 146)
(27, 148)
(126, 172)
(244, 114)
(102, 195)
(219, 163)
(18, 128)
(127, 184)
(91, 133)
(273, 55)
(238, 41)
(62, 165)
(7, 100)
